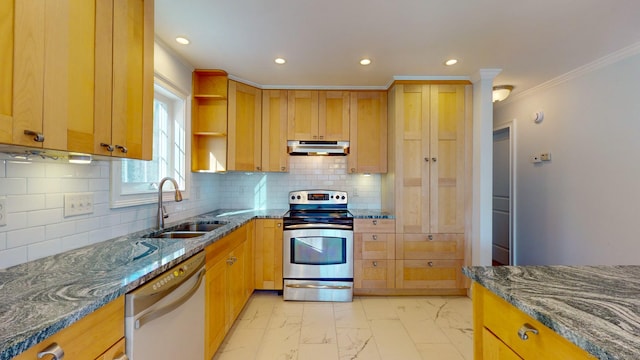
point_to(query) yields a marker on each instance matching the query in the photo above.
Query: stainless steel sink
(187, 230)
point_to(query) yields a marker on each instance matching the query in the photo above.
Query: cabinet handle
(526, 328)
(37, 137)
(353, 170)
(375, 263)
(375, 222)
(121, 356)
(321, 137)
(279, 224)
(283, 168)
(430, 263)
(53, 349)
(430, 237)
(315, 137)
(374, 237)
(122, 149)
(109, 147)
(230, 261)
(433, 159)
(258, 168)
(426, 159)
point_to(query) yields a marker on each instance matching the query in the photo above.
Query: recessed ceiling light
(451, 62)
(280, 61)
(182, 40)
(365, 61)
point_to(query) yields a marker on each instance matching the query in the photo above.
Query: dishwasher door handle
(171, 306)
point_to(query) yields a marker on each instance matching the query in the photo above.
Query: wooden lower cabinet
(374, 274)
(116, 352)
(496, 327)
(89, 338)
(268, 254)
(229, 284)
(429, 274)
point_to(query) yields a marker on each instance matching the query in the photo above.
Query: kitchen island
(595, 308)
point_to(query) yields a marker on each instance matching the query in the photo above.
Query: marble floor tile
(369, 328)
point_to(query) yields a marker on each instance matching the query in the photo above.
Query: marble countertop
(42, 297)
(595, 307)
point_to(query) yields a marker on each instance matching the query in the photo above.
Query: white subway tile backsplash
(74, 185)
(3, 241)
(14, 256)
(3, 167)
(25, 169)
(44, 248)
(42, 185)
(44, 217)
(75, 241)
(59, 170)
(20, 203)
(15, 221)
(61, 229)
(54, 200)
(25, 236)
(13, 186)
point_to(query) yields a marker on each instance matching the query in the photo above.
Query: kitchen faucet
(162, 213)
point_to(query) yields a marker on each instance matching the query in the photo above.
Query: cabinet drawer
(430, 246)
(505, 321)
(115, 352)
(88, 338)
(494, 349)
(374, 274)
(429, 274)
(374, 226)
(374, 246)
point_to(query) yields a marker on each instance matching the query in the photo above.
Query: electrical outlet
(535, 159)
(545, 156)
(78, 204)
(3, 212)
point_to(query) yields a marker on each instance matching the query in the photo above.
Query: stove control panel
(318, 197)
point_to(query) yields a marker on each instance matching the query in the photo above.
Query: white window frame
(117, 198)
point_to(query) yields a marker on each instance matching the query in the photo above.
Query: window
(135, 182)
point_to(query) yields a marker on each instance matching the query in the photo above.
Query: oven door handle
(172, 306)
(318, 226)
(313, 286)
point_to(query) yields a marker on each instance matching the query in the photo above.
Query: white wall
(582, 207)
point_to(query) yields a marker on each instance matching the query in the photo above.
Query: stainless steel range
(318, 247)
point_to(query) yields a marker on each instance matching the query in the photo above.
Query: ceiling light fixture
(280, 61)
(451, 62)
(365, 61)
(182, 40)
(501, 92)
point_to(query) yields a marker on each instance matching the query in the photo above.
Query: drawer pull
(430, 263)
(108, 147)
(526, 328)
(375, 222)
(374, 237)
(430, 237)
(37, 137)
(53, 349)
(375, 263)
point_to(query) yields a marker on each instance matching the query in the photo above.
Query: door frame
(513, 244)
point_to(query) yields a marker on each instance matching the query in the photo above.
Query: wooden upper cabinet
(318, 115)
(6, 71)
(244, 122)
(209, 121)
(82, 69)
(368, 124)
(132, 102)
(431, 150)
(274, 131)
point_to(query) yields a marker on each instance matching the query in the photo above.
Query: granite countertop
(595, 307)
(42, 297)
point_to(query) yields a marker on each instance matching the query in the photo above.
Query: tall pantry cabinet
(428, 182)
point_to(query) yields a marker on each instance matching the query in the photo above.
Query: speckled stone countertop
(370, 214)
(42, 297)
(595, 307)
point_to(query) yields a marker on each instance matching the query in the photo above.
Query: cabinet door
(368, 132)
(303, 115)
(447, 152)
(413, 163)
(268, 254)
(6, 71)
(373, 274)
(217, 303)
(236, 281)
(333, 115)
(132, 116)
(494, 349)
(429, 274)
(374, 246)
(274, 131)
(244, 137)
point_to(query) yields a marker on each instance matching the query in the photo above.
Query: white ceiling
(323, 40)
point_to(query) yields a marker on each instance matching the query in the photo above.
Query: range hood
(314, 147)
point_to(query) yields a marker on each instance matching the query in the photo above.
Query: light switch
(78, 204)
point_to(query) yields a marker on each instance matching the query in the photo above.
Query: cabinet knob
(353, 170)
(375, 222)
(375, 263)
(123, 149)
(108, 147)
(430, 237)
(433, 159)
(279, 224)
(430, 263)
(321, 137)
(315, 136)
(53, 349)
(37, 137)
(230, 261)
(526, 328)
(258, 168)
(283, 168)
(426, 159)
(374, 237)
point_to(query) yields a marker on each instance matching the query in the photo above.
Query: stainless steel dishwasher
(164, 319)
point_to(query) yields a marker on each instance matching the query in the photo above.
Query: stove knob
(298, 197)
(343, 197)
(293, 197)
